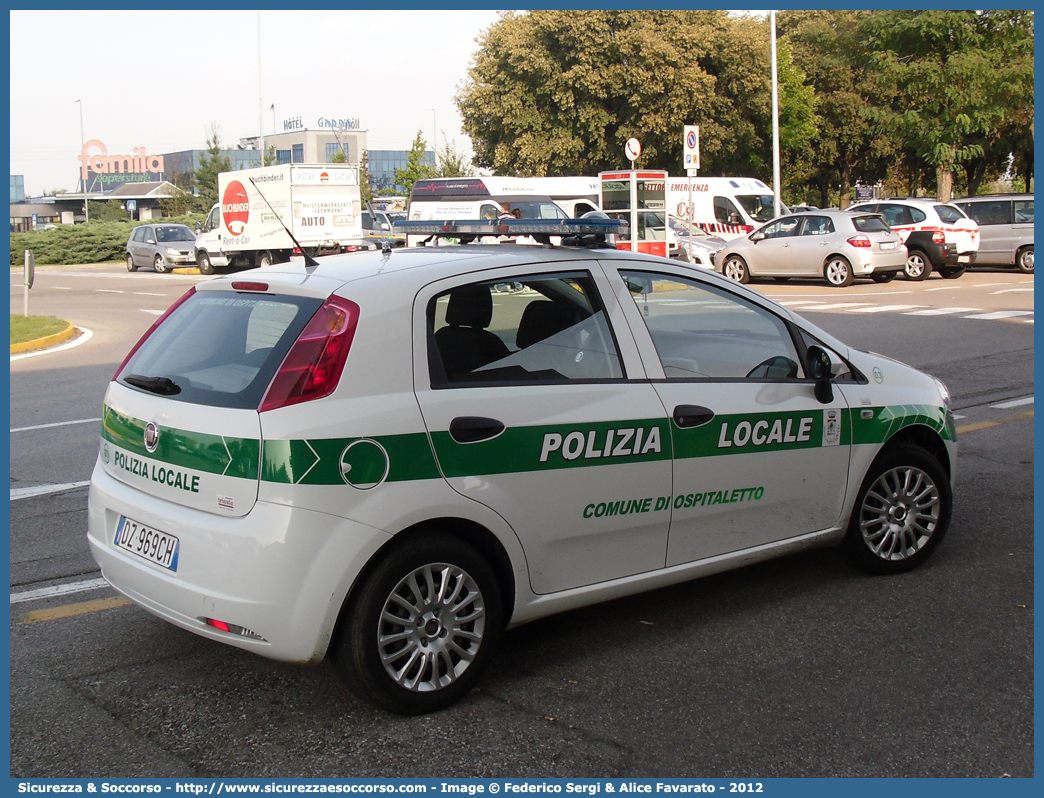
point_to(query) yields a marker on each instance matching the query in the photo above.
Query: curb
(186, 270)
(46, 341)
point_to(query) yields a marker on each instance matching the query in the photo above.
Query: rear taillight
(859, 241)
(314, 363)
(938, 237)
(152, 329)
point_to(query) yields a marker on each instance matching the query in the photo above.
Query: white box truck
(320, 203)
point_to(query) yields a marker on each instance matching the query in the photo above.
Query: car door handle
(469, 429)
(686, 416)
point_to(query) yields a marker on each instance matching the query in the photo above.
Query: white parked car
(387, 459)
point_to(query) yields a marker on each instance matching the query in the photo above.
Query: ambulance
(383, 459)
(724, 206)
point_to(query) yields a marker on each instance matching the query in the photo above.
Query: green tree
(365, 189)
(416, 167)
(211, 163)
(798, 124)
(106, 211)
(181, 200)
(451, 162)
(946, 82)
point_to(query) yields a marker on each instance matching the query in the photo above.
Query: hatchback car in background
(161, 246)
(1005, 228)
(386, 458)
(937, 235)
(694, 244)
(837, 246)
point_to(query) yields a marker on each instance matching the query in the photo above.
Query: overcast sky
(158, 79)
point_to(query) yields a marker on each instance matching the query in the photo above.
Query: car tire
(203, 261)
(952, 272)
(883, 277)
(1024, 260)
(735, 268)
(159, 265)
(130, 263)
(419, 665)
(264, 260)
(885, 534)
(917, 267)
(838, 271)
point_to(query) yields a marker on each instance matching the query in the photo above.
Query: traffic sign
(691, 148)
(633, 149)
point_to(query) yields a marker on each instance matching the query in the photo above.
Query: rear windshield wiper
(161, 385)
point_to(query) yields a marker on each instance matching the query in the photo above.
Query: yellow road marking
(996, 423)
(72, 610)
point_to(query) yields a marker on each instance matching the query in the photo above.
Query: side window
(583, 207)
(817, 226)
(784, 228)
(212, 221)
(949, 214)
(1024, 211)
(703, 332)
(896, 215)
(916, 215)
(724, 210)
(139, 234)
(540, 328)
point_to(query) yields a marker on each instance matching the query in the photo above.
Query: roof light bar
(512, 227)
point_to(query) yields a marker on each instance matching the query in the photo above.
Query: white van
(469, 195)
(725, 206)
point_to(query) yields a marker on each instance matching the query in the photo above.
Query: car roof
(988, 197)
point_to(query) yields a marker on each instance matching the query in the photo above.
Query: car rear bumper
(293, 568)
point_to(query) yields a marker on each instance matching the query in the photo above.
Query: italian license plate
(963, 258)
(887, 245)
(149, 544)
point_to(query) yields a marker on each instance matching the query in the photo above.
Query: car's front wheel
(918, 267)
(130, 263)
(838, 271)
(421, 626)
(1024, 260)
(160, 265)
(203, 261)
(901, 513)
(735, 268)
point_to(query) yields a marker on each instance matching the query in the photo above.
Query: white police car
(390, 457)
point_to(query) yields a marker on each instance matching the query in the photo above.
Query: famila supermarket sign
(104, 172)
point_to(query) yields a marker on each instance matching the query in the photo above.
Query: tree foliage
(211, 163)
(451, 162)
(417, 168)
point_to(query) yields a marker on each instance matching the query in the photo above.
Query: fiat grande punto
(388, 458)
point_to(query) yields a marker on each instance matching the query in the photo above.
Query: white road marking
(107, 291)
(988, 285)
(938, 311)
(152, 312)
(841, 305)
(62, 288)
(58, 590)
(944, 288)
(1012, 291)
(1001, 314)
(1026, 400)
(55, 424)
(884, 308)
(958, 416)
(85, 336)
(43, 490)
(145, 293)
(800, 303)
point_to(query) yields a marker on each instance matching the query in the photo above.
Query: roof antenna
(308, 259)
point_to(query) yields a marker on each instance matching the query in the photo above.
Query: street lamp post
(434, 136)
(83, 168)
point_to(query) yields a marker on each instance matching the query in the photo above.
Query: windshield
(174, 232)
(759, 206)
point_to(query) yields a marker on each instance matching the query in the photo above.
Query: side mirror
(734, 218)
(758, 236)
(150, 240)
(822, 366)
(199, 227)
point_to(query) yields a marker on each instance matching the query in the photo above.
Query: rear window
(219, 348)
(870, 224)
(949, 213)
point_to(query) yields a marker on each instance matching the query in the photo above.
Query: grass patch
(29, 328)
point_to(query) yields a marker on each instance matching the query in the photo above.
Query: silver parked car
(162, 246)
(1005, 228)
(835, 245)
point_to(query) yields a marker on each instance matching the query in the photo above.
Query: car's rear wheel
(918, 267)
(160, 265)
(264, 260)
(882, 277)
(1024, 260)
(838, 271)
(735, 268)
(203, 261)
(901, 513)
(420, 627)
(952, 272)
(130, 263)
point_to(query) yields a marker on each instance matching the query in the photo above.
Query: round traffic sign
(632, 149)
(690, 140)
